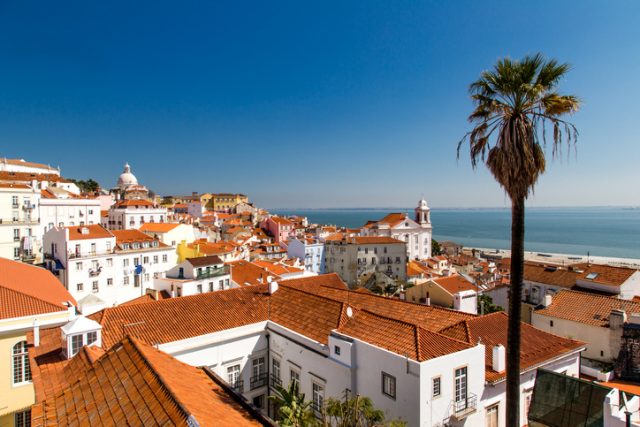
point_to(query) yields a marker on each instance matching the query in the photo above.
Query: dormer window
(78, 333)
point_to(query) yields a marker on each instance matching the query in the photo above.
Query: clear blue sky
(309, 104)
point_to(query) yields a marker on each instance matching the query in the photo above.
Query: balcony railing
(24, 221)
(258, 381)
(275, 381)
(238, 386)
(464, 407)
(75, 255)
(213, 273)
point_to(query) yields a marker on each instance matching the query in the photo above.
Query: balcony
(14, 221)
(238, 386)
(275, 381)
(95, 271)
(258, 381)
(89, 254)
(213, 273)
(465, 407)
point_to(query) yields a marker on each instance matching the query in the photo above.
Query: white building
(19, 223)
(428, 366)
(103, 268)
(61, 208)
(132, 214)
(22, 166)
(195, 276)
(417, 233)
(309, 251)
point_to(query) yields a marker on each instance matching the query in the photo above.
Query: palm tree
(515, 103)
(293, 410)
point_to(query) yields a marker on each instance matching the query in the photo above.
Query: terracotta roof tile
(536, 346)
(158, 227)
(455, 284)
(84, 232)
(604, 274)
(27, 290)
(135, 384)
(586, 307)
(550, 275)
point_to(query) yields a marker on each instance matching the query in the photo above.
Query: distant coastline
(607, 231)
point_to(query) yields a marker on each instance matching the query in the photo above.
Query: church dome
(126, 178)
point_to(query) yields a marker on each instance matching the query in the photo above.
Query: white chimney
(36, 333)
(499, 360)
(428, 302)
(273, 287)
(548, 299)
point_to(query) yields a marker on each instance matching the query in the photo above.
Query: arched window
(21, 368)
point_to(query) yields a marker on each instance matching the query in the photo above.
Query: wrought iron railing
(258, 381)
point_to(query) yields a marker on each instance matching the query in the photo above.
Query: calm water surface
(605, 231)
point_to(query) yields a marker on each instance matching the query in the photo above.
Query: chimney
(617, 319)
(498, 356)
(548, 299)
(36, 333)
(428, 302)
(273, 287)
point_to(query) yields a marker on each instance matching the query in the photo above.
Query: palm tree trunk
(515, 311)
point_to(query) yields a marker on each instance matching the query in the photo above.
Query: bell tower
(423, 215)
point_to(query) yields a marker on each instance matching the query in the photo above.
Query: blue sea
(600, 231)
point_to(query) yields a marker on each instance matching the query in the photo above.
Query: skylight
(592, 276)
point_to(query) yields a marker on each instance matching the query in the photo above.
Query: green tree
(293, 410)
(486, 305)
(436, 249)
(88, 186)
(515, 103)
(355, 411)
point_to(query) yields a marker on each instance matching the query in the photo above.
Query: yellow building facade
(227, 201)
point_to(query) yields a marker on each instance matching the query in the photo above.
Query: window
(491, 416)
(199, 289)
(294, 377)
(164, 258)
(233, 375)
(136, 261)
(155, 259)
(125, 280)
(79, 287)
(16, 253)
(551, 323)
(22, 419)
(94, 286)
(336, 350)
(210, 286)
(436, 387)
(93, 248)
(125, 262)
(257, 366)
(461, 384)
(220, 285)
(145, 260)
(21, 368)
(16, 234)
(258, 401)
(78, 266)
(14, 201)
(108, 246)
(389, 385)
(92, 337)
(76, 344)
(109, 262)
(318, 396)
(275, 369)
(109, 281)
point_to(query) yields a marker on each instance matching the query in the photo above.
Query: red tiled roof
(16, 186)
(135, 384)
(400, 337)
(605, 274)
(536, 346)
(158, 227)
(245, 272)
(549, 275)
(28, 290)
(126, 203)
(586, 307)
(84, 232)
(455, 284)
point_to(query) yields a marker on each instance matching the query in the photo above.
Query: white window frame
(20, 368)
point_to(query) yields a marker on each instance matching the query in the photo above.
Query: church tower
(423, 215)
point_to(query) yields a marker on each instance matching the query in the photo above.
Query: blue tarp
(138, 269)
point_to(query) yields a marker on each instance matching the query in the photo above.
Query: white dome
(126, 178)
(422, 204)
